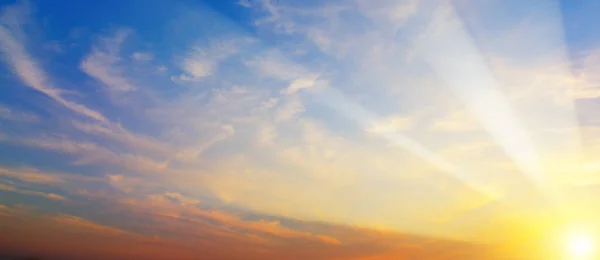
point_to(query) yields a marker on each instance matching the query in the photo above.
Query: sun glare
(581, 246)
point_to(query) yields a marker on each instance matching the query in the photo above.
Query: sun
(581, 246)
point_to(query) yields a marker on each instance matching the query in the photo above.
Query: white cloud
(182, 78)
(103, 63)
(272, 102)
(266, 134)
(89, 153)
(203, 60)
(142, 56)
(456, 121)
(273, 64)
(289, 109)
(244, 3)
(392, 124)
(587, 85)
(192, 153)
(198, 67)
(161, 69)
(299, 84)
(27, 68)
(389, 11)
(138, 143)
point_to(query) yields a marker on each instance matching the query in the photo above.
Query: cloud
(189, 228)
(389, 11)
(116, 132)
(103, 63)
(31, 175)
(392, 125)
(299, 84)
(89, 153)
(197, 66)
(458, 121)
(51, 196)
(267, 134)
(288, 109)
(273, 64)
(189, 154)
(80, 223)
(272, 102)
(9, 114)
(183, 200)
(244, 3)
(589, 75)
(55, 196)
(98, 65)
(142, 56)
(31, 180)
(194, 226)
(26, 68)
(203, 59)
(85, 238)
(6, 211)
(182, 78)
(125, 183)
(54, 46)
(185, 208)
(162, 69)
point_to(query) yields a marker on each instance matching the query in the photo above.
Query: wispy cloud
(244, 3)
(392, 125)
(88, 153)
(54, 46)
(79, 222)
(123, 136)
(456, 121)
(142, 56)
(288, 109)
(12, 44)
(104, 61)
(7, 113)
(51, 196)
(203, 59)
(31, 175)
(6, 211)
(274, 64)
(185, 208)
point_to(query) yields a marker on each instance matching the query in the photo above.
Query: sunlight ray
(453, 55)
(336, 100)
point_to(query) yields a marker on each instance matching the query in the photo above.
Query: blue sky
(286, 121)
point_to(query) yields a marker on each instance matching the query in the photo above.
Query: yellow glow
(581, 246)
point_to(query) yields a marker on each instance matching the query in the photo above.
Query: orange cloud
(161, 205)
(30, 175)
(212, 234)
(86, 225)
(51, 196)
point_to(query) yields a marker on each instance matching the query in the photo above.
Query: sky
(281, 129)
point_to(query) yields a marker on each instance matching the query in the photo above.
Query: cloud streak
(102, 64)
(28, 70)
